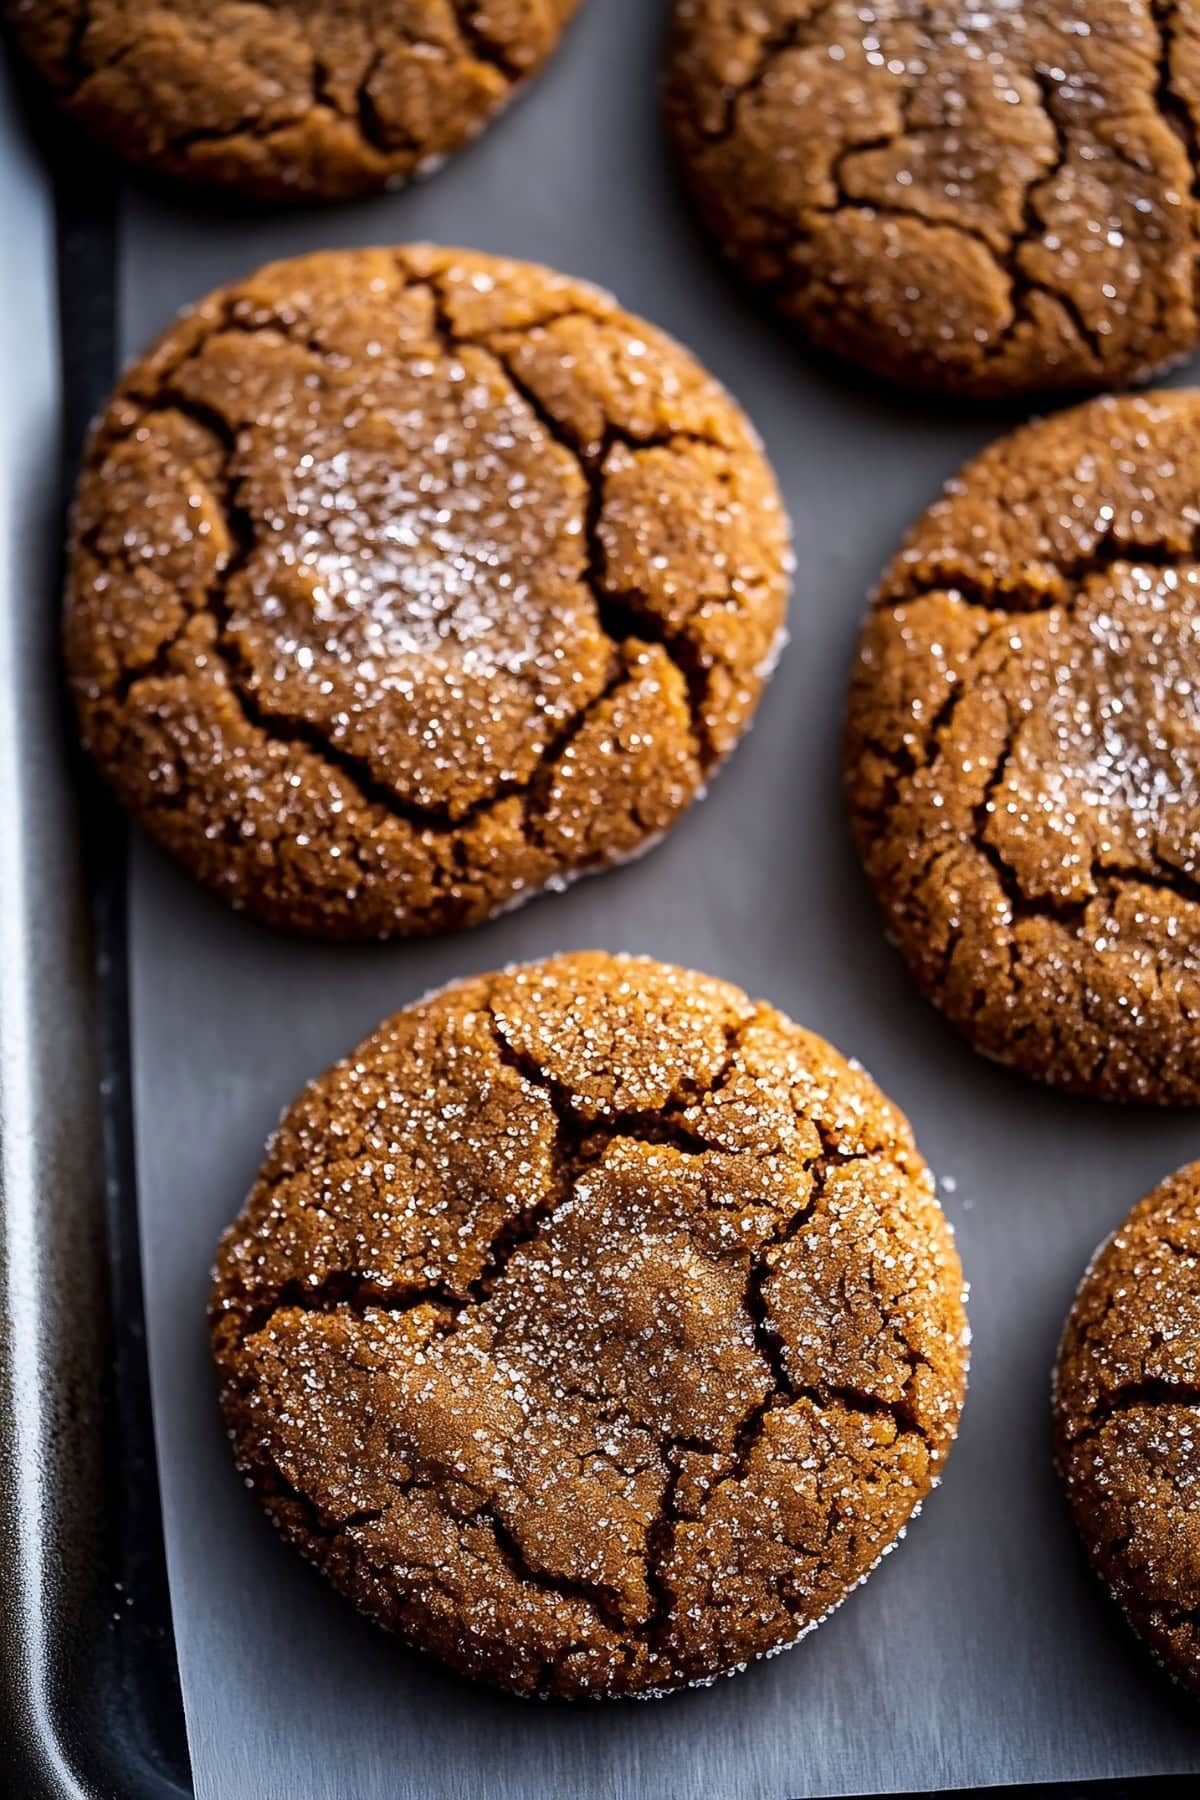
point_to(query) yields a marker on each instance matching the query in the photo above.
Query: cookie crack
(482, 47)
(752, 1429)
(250, 125)
(784, 1392)
(624, 621)
(603, 1599)
(1145, 1395)
(1174, 110)
(318, 1523)
(981, 818)
(1027, 590)
(797, 34)
(366, 113)
(585, 1138)
(1071, 914)
(283, 728)
(349, 1291)
(1163, 878)
(578, 1144)
(770, 1344)
(662, 1124)
(352, 1292)
(659, 1546)
(1021, 284)
(794, 233)
(79, 70)
(892, 209)
(287, 728)
(624, 618)
(1107, 878)
(363, 117)
(767, 1340)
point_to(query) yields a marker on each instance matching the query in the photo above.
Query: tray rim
(83, 1593)
(77, 1716)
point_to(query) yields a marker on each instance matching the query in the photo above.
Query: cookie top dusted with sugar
(985, 200)
(405, 582)
(1023, 749)
(592, 1326)
(299, 99)
(1127, 1419)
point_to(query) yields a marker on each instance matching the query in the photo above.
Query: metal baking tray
(148, 1040)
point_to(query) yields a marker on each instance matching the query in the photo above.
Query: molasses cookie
(982, 200)
(1127, 1420)
(1023, 749)
(299, 99)
(592, 1326)
(405, 582)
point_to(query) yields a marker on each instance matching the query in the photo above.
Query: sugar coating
(1023, 749)
(1127, 1419)
(978, 197)
(297, 100)
(592, 1326)
(405, 583)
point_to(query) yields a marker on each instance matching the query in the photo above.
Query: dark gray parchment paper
(980, 1652)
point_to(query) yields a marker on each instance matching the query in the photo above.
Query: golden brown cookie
(985, 200)
(592, 1326)
(1023, 749)
(296, 99)
(1127, 1419)
(405, 582)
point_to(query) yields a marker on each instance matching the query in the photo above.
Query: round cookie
(1127, 1419)
(980, 200)
(1023, 749)
(592, 1326)
(405, 582)
(299, 99)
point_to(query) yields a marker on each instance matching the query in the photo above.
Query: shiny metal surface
(88, 1697)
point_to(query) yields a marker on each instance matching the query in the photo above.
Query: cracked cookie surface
(592, 1326)
(1127, 1419)
(286, 99)
(983, 200)
(1023, 749)
(404, 583)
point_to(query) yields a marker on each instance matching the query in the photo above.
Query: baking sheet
(979, 1654)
